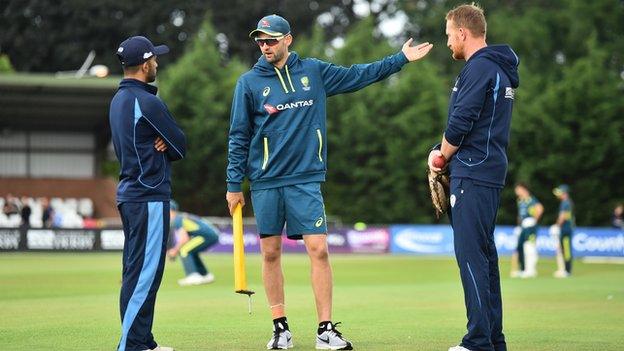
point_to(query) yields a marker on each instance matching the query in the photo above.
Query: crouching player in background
(530, 211)
(191, 235)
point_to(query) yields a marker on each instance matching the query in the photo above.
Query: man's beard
(457, 54)
(151, 75)
(276, 57)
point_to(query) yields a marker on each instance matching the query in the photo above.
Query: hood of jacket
(505, 58)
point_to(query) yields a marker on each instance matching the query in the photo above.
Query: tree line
(567, 125)
(568, 118)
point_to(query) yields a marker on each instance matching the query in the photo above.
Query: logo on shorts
(319, 222)
(453, 199)
(266, 91)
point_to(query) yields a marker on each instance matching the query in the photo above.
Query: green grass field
(70, 302)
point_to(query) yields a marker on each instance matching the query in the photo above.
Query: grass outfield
(70, 302)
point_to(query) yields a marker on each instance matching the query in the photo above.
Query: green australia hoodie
(277, 125)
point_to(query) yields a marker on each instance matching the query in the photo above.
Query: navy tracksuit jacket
(478, 122)
(137, 117)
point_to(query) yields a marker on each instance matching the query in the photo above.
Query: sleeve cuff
(454, 139)
(402, 59)
(234, 187)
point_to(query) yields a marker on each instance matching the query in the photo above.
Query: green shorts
(299, 206)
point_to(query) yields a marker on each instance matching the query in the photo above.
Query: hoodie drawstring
(289, 81)
(279, 75)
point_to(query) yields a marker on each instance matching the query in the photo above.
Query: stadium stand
(68, 213)
(54, 140)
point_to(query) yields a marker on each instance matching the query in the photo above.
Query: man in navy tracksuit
(278, 140)
(475, 143)
(146, 140)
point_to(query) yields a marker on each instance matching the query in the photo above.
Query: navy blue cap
(136, 50)
(273, 25)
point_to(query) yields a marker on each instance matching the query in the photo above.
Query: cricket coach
(278, 140)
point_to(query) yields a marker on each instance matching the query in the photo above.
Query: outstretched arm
(339, 79)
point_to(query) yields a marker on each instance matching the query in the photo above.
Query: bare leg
(272, 276)
(321, 274)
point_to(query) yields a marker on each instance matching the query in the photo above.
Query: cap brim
(161, 50)
(557, 192)
(269, 32)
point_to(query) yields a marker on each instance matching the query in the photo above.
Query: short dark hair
(132, 69)
(469, 16)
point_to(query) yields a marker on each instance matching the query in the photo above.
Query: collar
(135, 83)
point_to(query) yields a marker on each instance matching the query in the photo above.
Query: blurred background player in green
(190, 236)
(563, 229)
(618, 216)
(530, 210)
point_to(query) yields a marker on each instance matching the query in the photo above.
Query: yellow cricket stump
(240, 276)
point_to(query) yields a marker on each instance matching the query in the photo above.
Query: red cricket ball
(438, 161)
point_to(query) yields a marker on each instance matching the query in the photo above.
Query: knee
(271, 255)
(318, 252)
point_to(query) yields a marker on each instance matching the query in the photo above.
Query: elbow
(176, 154)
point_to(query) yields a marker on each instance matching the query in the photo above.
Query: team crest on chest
(305, 81)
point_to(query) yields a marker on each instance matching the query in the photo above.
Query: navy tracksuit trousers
(473, 216)
(146, 228)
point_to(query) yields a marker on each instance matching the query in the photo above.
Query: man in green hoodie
(276, 140)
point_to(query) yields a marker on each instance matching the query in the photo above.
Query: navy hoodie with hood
(479, 115)
(277, 127)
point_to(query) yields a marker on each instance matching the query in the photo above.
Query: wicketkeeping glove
(439, 185)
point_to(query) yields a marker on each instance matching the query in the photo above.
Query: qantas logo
(270, 109)
(281, 107)
(265, 23)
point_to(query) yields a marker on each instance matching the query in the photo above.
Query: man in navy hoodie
(146, 140)
(474, 145)
(278, 141)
